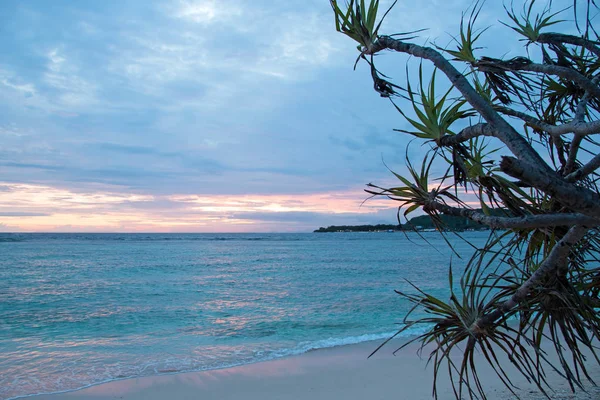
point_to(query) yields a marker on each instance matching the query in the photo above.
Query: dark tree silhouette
(538, 194)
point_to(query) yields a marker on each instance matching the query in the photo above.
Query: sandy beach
(336, 373)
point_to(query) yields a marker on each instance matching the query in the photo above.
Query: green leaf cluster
(358, 21)
(527, 26)
(434, 118)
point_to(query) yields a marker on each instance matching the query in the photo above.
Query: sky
(199, 115)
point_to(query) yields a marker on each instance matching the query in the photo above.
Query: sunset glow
(38, 208)
(194, 116)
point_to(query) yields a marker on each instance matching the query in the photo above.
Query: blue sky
(198, 115)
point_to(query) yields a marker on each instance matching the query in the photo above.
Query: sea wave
(138, 238)
(176, 237)
(11, 239)
(300, 348)
(305, 347)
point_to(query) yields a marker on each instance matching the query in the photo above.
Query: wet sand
(337, 373)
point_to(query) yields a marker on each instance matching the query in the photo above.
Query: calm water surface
(80, 309)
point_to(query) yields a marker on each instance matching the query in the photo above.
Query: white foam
(301, 348)
(331, 342)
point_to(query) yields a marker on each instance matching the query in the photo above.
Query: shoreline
(328, 373)
(318, 345)
(293, 364)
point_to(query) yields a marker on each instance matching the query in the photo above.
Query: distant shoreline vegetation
(420, 223)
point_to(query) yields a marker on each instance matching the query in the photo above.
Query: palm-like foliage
(533, 288)
(434, 118)
(465, 51)
(358, 21)
(530, 25)
(415, 194)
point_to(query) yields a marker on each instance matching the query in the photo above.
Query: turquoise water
(81, 309)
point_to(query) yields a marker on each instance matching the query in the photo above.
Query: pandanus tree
(520, 135)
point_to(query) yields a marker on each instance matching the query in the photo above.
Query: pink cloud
(41, 208)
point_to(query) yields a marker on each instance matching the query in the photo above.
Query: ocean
(81, 309)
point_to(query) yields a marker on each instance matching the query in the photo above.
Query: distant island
(420, 223)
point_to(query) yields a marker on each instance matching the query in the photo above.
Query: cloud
(129, 149)
(30, 166)
(206, 11)
(72, 90)
(316, 219)
(10, 81)
(47, 208)
(11, 130)
(192, 103)
(159, 100)
(22, 214)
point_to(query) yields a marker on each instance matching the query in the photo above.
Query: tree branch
(525, 222)
(577, 198)
(524, 64)
(557, 258)
(573, 149)
(582, 105)
(584, 171)
(468, 133)
(577, 127)
(558, 38)
(506, 133)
